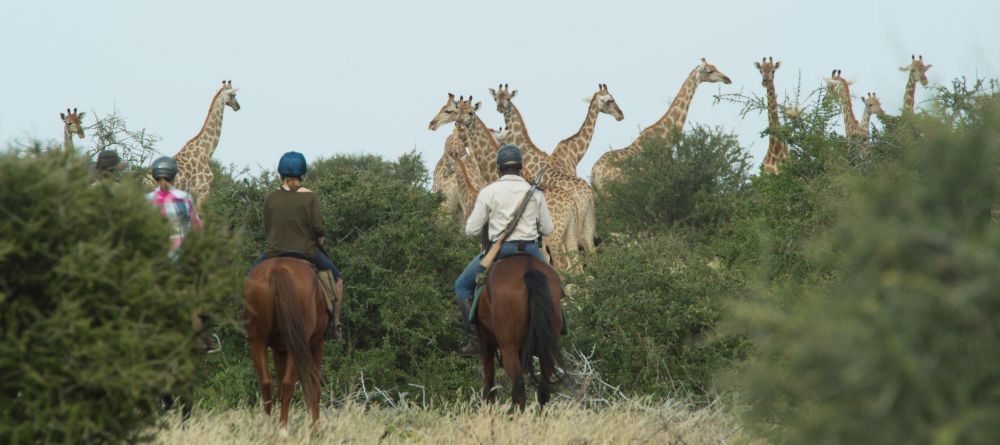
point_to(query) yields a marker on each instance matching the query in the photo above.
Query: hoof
(283, 432)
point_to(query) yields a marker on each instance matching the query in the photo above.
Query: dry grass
(562, 423)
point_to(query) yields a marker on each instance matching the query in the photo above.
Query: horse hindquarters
(289, 321)
(543, 338)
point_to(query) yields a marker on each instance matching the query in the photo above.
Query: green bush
(693, 181)
(399, 264)
(649, 315)
(96, 323)
(902, 343)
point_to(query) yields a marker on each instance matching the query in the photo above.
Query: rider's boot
(329, 296)
(472, 347)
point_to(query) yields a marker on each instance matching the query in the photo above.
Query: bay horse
(518, 315)
(284, 310)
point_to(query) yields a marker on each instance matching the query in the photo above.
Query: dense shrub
(692, 181)
(649, 315)
(902, 345)
(96, 323)
(399, 264)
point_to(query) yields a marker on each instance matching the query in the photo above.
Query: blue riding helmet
(292, 165)
(508, 156)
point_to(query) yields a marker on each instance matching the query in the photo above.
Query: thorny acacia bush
(899, 342)
(649, 312)
(693, 180)
(96, 323)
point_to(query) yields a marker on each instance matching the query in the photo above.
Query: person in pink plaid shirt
(175, 205)
(178, 207)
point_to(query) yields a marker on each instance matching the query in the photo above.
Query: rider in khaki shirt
(495, 207)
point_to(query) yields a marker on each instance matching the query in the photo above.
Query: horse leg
(489, 373)
(287, 390)
(317, 353)
(259, 353)
(512, 364)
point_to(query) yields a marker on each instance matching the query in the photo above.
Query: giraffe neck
(674, 117)
(68, 140)
(468, 185)
(533, 156)
(908, 95)
(776, 149)
(866, 118)
(570, 151)
(851, 125)
(483, 147)
(203, 144)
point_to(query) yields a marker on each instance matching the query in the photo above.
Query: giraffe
(840, 87)
(483, 148)
(872, 106)
(72, 125)
(917, 73)
(777, 150)
(570, 151)
(194, 172)
(535, 158)
(606, 169)
(483, 145)
(444, 175)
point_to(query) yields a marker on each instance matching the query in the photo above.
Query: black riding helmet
(164, 167)
(508, 156)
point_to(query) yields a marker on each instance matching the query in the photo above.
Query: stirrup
(214, 345)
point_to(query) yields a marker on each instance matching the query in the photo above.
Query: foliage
(649, 313)
(96, 323)
(693, 181)
(900, 344)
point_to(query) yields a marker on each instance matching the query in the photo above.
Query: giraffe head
(767, 66)
(502, 95)
(917, 69)
(838, 85)
(502, 135)
(73, 122)
(465, 116)
(230, 94)
(606, 102)
(709, 73)
(872, 104)
(447, 114)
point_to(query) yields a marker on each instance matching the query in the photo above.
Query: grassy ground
(562, 423)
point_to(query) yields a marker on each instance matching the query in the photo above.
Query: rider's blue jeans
(465, 285)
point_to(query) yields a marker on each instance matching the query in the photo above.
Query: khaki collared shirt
(497, 203)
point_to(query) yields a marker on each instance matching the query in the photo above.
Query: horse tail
(292, 328)
(542, 340)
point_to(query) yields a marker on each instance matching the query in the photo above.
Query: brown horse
(517, 315)
(284, 310)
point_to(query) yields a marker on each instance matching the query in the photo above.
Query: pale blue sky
(347, 77)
